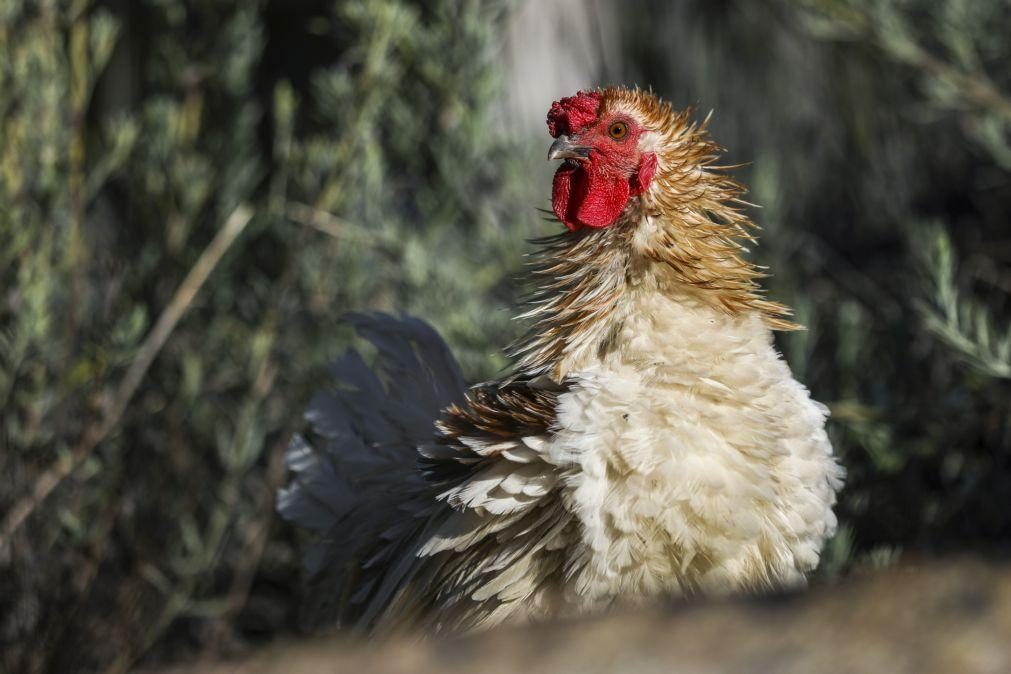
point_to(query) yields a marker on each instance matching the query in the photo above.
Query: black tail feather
(361, 444)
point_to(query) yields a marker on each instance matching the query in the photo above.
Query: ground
(936, 618)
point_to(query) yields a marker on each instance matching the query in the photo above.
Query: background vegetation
(191, 193)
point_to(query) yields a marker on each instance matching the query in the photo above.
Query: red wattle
(584, 197)
(561, 194)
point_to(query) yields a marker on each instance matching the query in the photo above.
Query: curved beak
(564, 148)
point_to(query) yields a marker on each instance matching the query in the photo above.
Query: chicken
(649, 440)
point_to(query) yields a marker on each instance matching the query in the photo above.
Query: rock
(938, 618)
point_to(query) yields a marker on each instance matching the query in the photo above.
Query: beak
(563, 148)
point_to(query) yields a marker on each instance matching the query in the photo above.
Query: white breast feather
(694, 460)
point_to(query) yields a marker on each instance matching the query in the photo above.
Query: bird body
(649, 441)
(697, 462)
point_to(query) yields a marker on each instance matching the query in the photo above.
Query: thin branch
(328, 223)
(977, 88)
(96, 433)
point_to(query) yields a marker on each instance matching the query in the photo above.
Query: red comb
(573, 113)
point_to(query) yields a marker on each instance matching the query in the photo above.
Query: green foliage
(963, 323)
(953, 75)
(131, 133)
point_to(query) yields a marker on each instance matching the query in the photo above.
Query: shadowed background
(192, 193)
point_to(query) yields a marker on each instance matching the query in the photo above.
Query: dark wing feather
(446, 525)
(359, 449)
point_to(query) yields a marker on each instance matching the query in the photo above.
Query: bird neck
(590, 280)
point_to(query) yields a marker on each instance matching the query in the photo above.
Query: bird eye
(618, 130)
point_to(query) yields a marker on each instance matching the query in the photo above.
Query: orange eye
(618, 130)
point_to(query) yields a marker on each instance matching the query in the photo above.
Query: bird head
(619, 143)
(608, 153)
(647, 175)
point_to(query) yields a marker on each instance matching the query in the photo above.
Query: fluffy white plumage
(694, 460)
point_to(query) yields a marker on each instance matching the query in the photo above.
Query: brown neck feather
(702, 229)
(580, 276)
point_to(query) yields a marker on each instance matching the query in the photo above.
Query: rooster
(649, 440)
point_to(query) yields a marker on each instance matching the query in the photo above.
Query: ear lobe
(644, 175)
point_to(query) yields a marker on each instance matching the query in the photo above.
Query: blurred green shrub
(360, 135)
